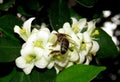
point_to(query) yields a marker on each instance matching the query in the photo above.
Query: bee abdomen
(64, 46)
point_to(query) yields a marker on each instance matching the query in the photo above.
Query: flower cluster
(72, 44)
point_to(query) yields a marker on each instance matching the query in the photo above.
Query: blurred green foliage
(54, 13)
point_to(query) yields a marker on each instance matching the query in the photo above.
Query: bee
(64, 43)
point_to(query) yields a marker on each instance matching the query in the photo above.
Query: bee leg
(55, 52)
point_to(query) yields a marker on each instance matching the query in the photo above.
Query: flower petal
(27, 50)
(20, 62)
(41, 63)
(81, 23)
(91, 26)
(28, 69)
(74, 21)
(67, 28)
(74, 56)
(70, 64)
(43, 36)
(95, 47)
(57, 70)
(27, 25)
(86, 37)
(17, 29)
(62, 63)
(44, 28)
(82, 58)
(50, 65)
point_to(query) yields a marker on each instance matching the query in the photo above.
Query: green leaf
(20, 77)
(7, 5)
(79, 73)
(49, 75)
(87, 3)
(8, 77)
(35, 76)
(58, 14)
(43, 75)
(107, 46)
(9, 45)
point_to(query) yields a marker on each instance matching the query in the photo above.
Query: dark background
(112, 73)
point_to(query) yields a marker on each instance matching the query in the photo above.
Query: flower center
(23, 31)
(76, 29)
(39, 44)
(30, 58)
(58, 57)
(83, 46)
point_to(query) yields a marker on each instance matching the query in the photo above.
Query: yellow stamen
(75, 29)
(23, 31)
(39, 44)
(83, 46)
(96, 32)
(58, 57)
(30, 58)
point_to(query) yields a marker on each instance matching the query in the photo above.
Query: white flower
(25, 31)
(27, 60)
(85, 46)
(39, 42)
(59, 62)
(95, 47)
(42, 50)
(77, 26)
(91, 26)
(35, 52)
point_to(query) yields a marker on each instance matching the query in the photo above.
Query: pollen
(38, 44)
(23, 31)
(96, 32)
(30, 58)
(58, 57)
(83, 46)
(76, 29)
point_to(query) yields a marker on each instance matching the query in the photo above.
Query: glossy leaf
(35, 76)
(20, 76)
(79, 73)
(49, 75)
(107, 46)
(43, 75)
(58, 14)
(9, 45)
(87, 3)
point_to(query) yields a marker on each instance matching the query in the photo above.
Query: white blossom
(42, 50)
(35, 52)
(77, 26)
(25, 31)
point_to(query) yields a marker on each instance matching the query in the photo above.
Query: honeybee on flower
(72, 44)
